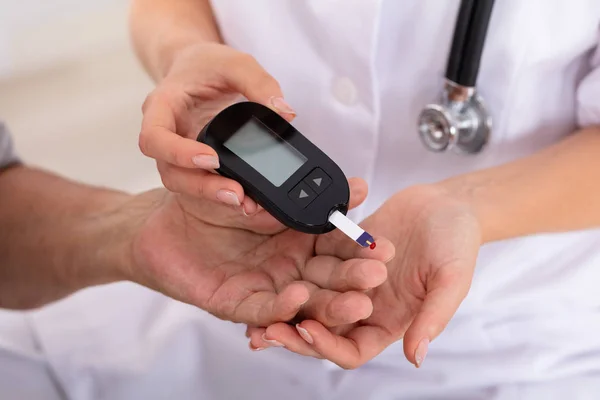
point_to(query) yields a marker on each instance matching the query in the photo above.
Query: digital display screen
(272, 157)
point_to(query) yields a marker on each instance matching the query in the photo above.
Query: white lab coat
(358, 73)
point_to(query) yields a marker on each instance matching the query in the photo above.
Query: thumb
(247, 77)
(447, 289)
(358, 192)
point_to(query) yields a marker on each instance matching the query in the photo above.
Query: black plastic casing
(312, 219)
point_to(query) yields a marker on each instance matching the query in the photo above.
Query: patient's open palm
(186, 250)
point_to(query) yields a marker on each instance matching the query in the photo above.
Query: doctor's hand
(183, 248)
(201, 81)
(437, 240)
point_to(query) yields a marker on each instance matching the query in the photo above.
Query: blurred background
(71, 90)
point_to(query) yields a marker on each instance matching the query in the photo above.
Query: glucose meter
(282, 170)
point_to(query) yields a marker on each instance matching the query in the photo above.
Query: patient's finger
(334, 309)
(256, 343)
(249, 299)
(264, 308)
(355, 274)
(293, 342)
(337, 244)
(350, 351)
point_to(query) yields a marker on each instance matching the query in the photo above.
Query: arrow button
(302, 195)
(318, 180)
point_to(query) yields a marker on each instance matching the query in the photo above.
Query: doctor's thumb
(251, 80)
(443, 298)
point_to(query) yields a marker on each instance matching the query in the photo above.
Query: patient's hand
(437, 239)
(185, 249)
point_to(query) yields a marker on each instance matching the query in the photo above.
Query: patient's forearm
(56, 237)
(162, 28)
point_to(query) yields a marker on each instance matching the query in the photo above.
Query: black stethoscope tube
(468, 40)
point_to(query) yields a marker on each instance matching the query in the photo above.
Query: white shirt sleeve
(588, 93)
(7, 151)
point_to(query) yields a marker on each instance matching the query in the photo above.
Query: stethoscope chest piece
(459, 121)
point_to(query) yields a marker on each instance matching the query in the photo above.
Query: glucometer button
(302, 195)
(318, 180)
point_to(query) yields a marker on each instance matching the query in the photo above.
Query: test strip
(352, 230)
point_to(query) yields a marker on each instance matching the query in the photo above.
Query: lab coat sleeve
(588, 93)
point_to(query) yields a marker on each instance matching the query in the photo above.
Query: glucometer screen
(267, 153)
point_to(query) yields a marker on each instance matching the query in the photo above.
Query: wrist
(117, 231)
(161, 28)
(99, 253)
(470, 190)
(429, 206)
(176, 48)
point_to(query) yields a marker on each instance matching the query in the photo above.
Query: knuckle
(331, 314)
(151, 99)
(264, 80)
(174, 157)
(167, 176)
(143, 143)
(246, 58)
(436, 327)
(348, 366)
(147, 102)
(237, 61)
(167, 180)
(200, 189)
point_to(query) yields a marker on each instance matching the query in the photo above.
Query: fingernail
(228, 197)
(272, 342)
(255, 348)
(205, 161)
(244, 211)
(421, 351)
(282, 106)
(305, 335)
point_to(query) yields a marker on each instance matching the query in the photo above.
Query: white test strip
(351, 230)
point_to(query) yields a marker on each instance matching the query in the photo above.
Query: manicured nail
(282, 106)
(205, 161)
(255, 348)
(421, 351)
(228, 197)
(271, 342)
(305, 335)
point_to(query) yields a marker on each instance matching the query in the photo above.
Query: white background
(71, 89)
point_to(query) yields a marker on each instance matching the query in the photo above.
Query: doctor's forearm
(555, 190)
(161, 28)
(56, 237)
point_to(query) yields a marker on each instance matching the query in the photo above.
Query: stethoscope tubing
(469, 37)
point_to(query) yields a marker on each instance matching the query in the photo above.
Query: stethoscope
(460, 120)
